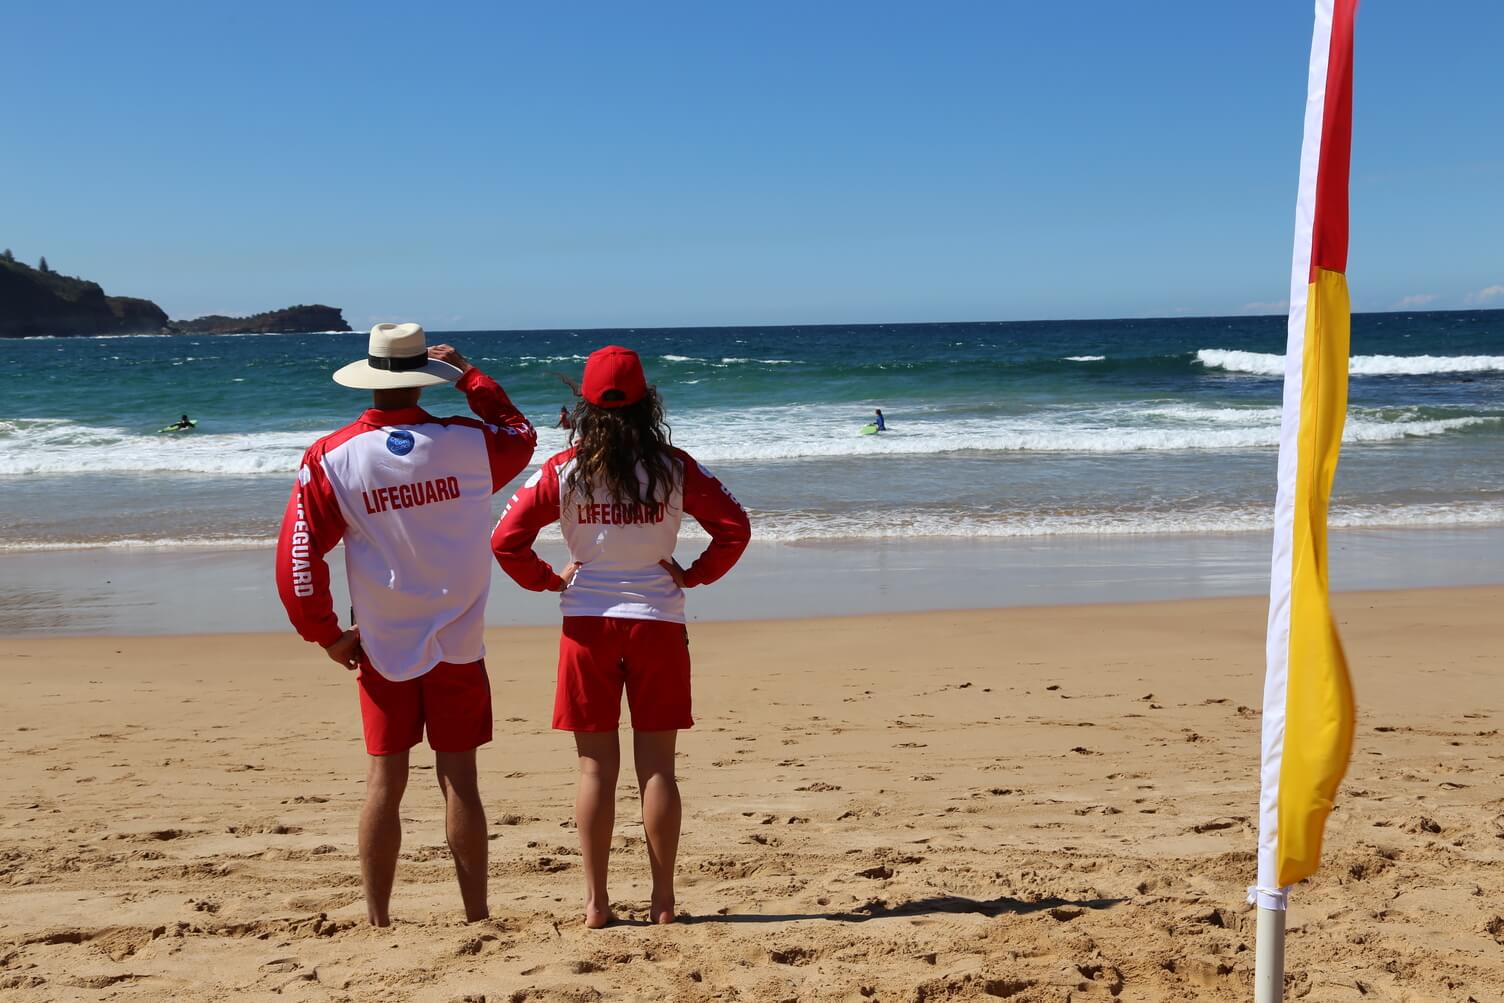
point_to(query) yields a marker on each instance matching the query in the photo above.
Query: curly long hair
(612, 443)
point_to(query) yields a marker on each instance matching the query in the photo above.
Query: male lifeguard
(410, 495)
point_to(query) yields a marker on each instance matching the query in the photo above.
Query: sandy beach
(1033, 804)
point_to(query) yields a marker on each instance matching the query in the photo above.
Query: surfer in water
(183, 422)
(882, 426)
(564, 421)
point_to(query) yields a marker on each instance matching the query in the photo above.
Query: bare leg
(662, 813)
(595, 817)
(465, 827)
(381, 832)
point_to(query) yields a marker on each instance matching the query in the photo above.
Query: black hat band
(398, 365)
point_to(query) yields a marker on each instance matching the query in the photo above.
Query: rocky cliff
(294, 318)
(37, 302)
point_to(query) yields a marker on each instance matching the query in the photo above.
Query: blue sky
(593, 164)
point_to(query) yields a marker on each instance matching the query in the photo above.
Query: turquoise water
(1018, 429)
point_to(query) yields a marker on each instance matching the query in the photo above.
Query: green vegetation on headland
(39, 301)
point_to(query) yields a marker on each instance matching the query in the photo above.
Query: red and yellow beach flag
(1308, 700)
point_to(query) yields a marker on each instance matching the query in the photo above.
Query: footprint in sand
(970, 986)
(1103, 975)
(476, 945)
(263, 828)
(511, 819)
(1423, 823)
(156, 835)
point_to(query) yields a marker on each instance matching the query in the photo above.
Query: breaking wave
(54, 446)
(1267, 364)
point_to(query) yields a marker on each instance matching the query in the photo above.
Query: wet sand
(150, 590)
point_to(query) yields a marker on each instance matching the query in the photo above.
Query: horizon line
(914, 323)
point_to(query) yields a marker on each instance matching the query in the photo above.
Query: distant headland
(293, 318)
(39, 301)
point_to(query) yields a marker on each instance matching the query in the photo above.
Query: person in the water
(564, 421)
(882, 426)
(183, 422)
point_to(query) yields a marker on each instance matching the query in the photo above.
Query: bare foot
(662, 912)
(597, 916)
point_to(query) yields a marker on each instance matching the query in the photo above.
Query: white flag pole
(1269, 957)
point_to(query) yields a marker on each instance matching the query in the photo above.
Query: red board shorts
(452, 701)
(601, 655)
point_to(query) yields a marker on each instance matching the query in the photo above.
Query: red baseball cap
(614, 377)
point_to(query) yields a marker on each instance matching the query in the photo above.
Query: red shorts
(599, 655)
(452, 701)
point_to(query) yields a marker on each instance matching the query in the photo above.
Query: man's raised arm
(510, 437)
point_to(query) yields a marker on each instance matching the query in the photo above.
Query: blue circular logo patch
(400, 442)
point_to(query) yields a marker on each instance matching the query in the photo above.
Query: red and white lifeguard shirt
(620, 544)
(410, 495)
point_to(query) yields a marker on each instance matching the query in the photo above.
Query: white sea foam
(1267, 364)
(730, 360)
(800, 433)
(163, 543)
(50, 446)
(811, 527)
(1248, 416)
(1085, 358)
(795, 528)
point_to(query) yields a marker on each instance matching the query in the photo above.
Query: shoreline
(147, 591)
(1060, 802)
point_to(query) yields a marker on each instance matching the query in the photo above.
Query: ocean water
(997, 429)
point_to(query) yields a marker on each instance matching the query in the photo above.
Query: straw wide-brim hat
(397, 357)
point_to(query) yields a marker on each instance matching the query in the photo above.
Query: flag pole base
(1269, 957)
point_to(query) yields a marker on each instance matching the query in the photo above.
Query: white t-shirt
(619, 544)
